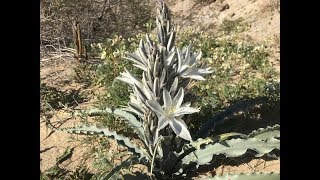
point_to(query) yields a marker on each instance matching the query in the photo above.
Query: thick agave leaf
(265, 133)
(122, 140)
(227, 113)
(210, 140)
(253, 176)
(170, 164)
(232, 148)
(124, 164)
(130, 119)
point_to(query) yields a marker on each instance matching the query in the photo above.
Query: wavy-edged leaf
(210, 140)
(265, 133)
(130, 119)
(124, 164)
(122, 140)
(253, 176)
(227, 113)
(232, 148)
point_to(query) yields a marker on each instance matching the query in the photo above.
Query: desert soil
(264, 21)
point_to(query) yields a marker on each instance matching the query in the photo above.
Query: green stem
(154, 153)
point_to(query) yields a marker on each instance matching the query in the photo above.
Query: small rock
(224, 7)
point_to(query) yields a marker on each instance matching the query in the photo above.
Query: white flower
(141, 89)
(172, 112)
(187, 67)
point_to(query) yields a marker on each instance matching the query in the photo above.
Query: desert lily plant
(157, 109)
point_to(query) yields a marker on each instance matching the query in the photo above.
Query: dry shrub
(98, 18)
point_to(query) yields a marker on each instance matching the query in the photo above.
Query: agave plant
(157, 107)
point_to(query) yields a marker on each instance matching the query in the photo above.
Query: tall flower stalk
(167, 72)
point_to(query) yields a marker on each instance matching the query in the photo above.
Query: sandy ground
(264, 22)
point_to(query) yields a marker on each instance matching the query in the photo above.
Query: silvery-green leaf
(188, 53)
(142, 67)
(149, 40)
(163, 76)
(171, 40)
(155, 106)
(174, 85)
(127, 77)
(140, 93)
(147, 48)
(136, 109)
(144, 80)
(184, 70)
(181, 129)
(187, 104)
(159, 30)
(179, 55)
(170, 58)
(149, 75)
(150, 65)
(134, 60)
(156, 87)
(145, 87)
(126, 80)
(136, 100)
(204, 70)
(194, 76)
(177, 101)
(132, 79)
(142, 52)
(186, 110)
(168, 26)
(156, 136)
(147, 91)
(192, 60)
(134, 56)
(156, 68)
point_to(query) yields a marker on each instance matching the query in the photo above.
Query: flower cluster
(167, 72)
